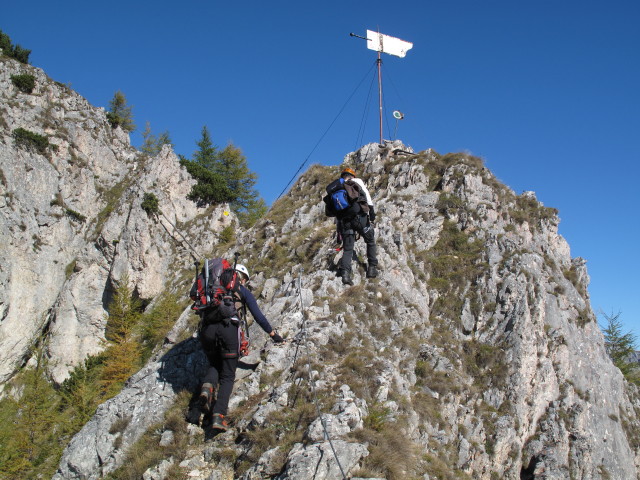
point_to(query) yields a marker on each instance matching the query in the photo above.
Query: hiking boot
(193, 415)
(340, 273)
(372, 271)
(346, 278)
(206, 397)
(219, 423)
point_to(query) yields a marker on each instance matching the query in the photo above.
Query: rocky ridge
(71, 222)
(475, 354)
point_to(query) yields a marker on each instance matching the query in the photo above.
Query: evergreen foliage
(30, 140)
(155, 325)
(38, 421)
(79, 395)
(29, 434)
(150, 204)
(25, 82)
(211, 187)
(119, 114)
(13, 51)
(620, 347)
(207, 153)
(123, 353)
(224, 176)
(246, 203)
(151, 143)
(75, 215)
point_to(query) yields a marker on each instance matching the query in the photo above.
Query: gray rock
(504, 367)
(93, 452)
(166, 438)
(158, 472)
(71, 223)
(317, 461)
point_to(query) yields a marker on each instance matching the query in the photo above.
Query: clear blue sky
(546, 92)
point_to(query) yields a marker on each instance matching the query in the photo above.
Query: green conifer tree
(224, 176)
(246, 202)
(13, 51)
(148, 140)
(207, 153)
(620, 346)
(151, 143)
(163, 139)
(211, 187)
(5, 43)
(119, 114)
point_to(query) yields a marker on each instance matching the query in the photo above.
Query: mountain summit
(474, 354)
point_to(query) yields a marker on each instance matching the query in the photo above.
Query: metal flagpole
(380, 91)
(384, 44)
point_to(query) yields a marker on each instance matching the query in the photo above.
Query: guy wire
(363, 122)
(324, 134)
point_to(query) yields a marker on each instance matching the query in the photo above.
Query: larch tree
(119, 114)
(620, 346)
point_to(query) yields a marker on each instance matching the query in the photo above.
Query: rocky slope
(474, 355)
(71, 222)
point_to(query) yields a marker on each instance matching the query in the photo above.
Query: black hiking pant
(220, 344)
(348, 229)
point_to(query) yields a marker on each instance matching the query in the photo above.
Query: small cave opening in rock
(527, 473)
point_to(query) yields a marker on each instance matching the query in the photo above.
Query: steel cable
(311, 383)
(323, 135)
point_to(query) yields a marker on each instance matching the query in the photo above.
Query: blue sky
(545, 92)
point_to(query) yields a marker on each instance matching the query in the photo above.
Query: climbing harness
(311, 383)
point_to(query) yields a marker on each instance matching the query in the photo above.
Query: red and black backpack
(216, 290)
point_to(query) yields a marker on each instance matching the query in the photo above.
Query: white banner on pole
(386, 44)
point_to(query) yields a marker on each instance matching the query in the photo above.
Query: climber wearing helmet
(221, 344)
(349, 201)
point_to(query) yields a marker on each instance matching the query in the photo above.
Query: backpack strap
(355, 191)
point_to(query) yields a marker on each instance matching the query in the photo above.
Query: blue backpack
(341, 196)
(338, 197)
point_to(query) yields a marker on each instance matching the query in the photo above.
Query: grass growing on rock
(285, 428)
(147, 452)
(528, 209)
(392, 454)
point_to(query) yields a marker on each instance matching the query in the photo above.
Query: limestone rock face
(71, 222)
(476, 345)
(474, 354)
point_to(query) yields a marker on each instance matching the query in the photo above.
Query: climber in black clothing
(358, 219)
(220, 342)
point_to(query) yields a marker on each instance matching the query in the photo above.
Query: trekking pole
(245, 327)
(311, 384)
(206, 281)
(244, 320)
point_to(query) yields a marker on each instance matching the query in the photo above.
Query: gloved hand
(276, 338)
(372, 213)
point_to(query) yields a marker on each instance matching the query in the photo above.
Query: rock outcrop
(475, 353)
(71, 222)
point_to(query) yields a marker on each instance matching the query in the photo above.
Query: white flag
(386, 44)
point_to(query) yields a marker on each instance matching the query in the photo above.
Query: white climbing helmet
(242, 269)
